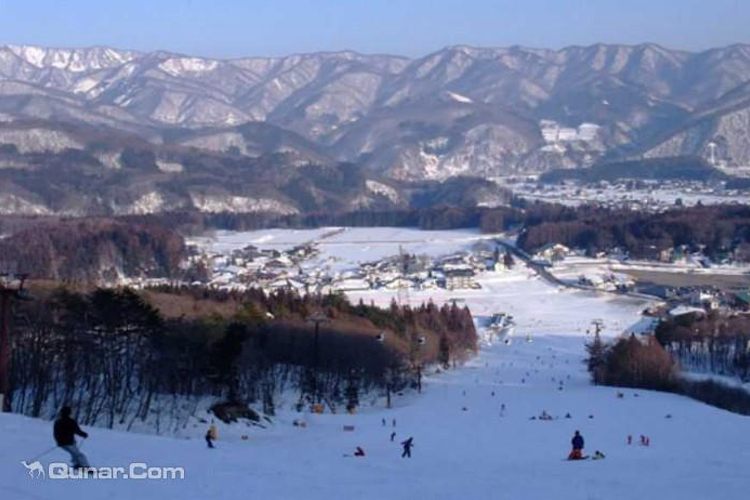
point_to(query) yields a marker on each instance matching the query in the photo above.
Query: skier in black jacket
(407, 447)
(65, 430)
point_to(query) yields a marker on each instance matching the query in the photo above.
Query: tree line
(91, 250)
(123, 359)
(644, 363)
(713, 343)
(719, 231)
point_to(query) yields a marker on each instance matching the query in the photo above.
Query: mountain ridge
(461, 110)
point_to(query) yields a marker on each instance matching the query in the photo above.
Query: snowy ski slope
(464, 447)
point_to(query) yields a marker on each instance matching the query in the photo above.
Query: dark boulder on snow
(229, 412)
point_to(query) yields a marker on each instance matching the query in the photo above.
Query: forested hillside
(123, 357)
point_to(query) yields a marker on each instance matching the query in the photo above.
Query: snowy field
(465, 447)
(344, 248)
(352, 243)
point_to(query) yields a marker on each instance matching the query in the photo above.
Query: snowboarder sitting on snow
(359, 452)
(65, 430)
(407, 447)
(598, 455)
(577, 452)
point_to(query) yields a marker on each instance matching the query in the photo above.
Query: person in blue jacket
(577, 452)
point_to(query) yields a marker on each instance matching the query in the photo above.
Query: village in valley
(650, 196)
(393, 262)
(304, 268)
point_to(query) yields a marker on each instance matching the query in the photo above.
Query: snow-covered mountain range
(459, 111)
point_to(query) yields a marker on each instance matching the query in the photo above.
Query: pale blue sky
(229, 28)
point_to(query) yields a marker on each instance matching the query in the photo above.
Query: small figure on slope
(211, 435)
(359, 452)
(577, 442)
(65, 430)
(408, 444)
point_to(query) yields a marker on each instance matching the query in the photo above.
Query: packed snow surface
(464, 445)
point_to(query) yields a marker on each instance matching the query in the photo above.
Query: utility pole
(388, 381)
(11, 288)
(316, 318)
(389, 374)
(403, 284)
(416, 343)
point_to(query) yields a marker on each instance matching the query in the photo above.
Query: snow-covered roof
(682, 310)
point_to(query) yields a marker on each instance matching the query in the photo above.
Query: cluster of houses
(683, 300)
(303, 269)
(609, 282)
(648, 196)
(253, 267)
(700, 299)
(681, 254)
(420, 272)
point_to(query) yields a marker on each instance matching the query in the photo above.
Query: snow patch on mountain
(85, 85)
(148, 203)
(38, 140)
(110, 159)
(379, 188)
(239, 204)
(166, 166)
(73, 60)
(32, 55)
(16, 205)
(219, 142)
(458, 97)
(178, 66)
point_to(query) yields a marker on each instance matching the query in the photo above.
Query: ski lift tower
(597, 325)
(316, 319)
(11, 289)
(415, 356)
